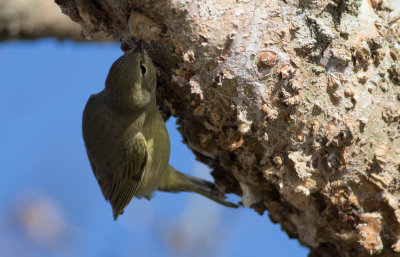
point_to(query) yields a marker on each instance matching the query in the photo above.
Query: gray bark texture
(295, 105)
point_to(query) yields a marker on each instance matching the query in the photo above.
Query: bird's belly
(157, 166)
(151, 181)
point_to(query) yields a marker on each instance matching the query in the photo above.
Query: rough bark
(293, 104)
(32, 19)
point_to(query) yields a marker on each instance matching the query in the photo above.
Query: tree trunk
(295, 105)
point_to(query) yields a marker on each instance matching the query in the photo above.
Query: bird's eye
(143, 69)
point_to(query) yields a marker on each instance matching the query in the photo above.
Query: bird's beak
(140, 48)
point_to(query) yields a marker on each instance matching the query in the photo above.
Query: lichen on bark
(295, 105)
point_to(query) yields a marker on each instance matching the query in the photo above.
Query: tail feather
(179, 182)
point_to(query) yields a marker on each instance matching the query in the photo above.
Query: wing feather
(121, 185)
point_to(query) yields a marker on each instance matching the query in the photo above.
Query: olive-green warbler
(127, 141)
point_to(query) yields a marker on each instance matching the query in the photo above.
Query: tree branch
(294, 104)
(31, 19)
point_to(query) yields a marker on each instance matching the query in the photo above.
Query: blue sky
(50, 202)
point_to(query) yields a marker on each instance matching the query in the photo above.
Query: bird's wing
(120, 186)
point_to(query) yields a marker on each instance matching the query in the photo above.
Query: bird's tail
(179, 182)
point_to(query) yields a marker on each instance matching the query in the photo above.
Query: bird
(126, 139)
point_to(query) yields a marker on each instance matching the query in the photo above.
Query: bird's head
(131, 81)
